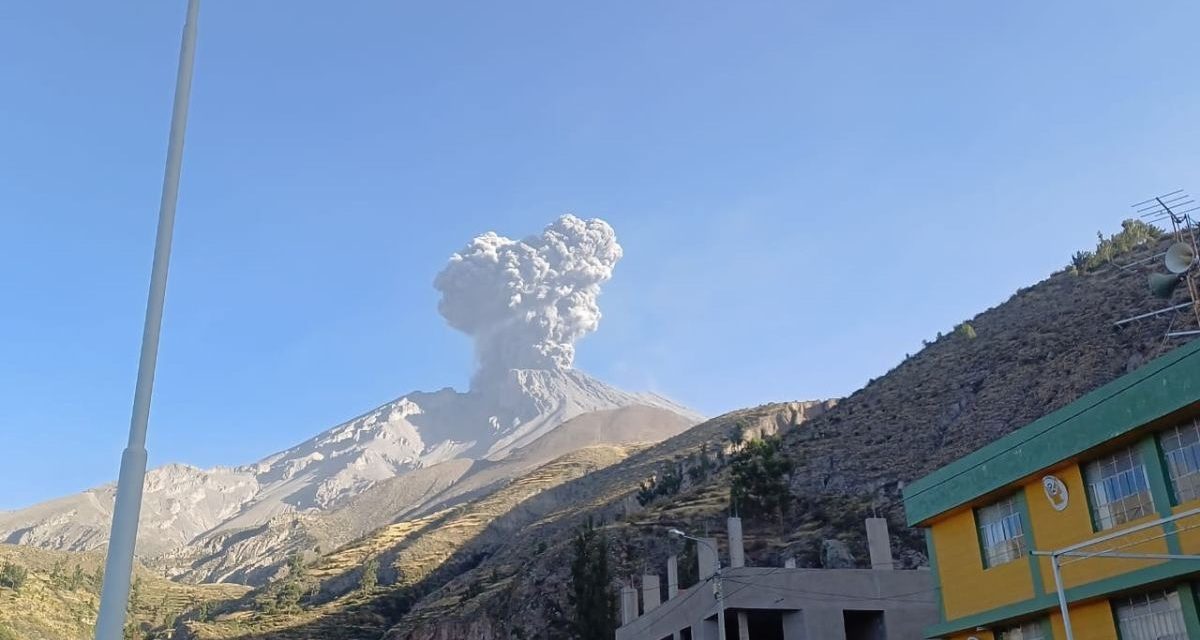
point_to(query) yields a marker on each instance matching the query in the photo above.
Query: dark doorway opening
(864, 625)
(763, 625)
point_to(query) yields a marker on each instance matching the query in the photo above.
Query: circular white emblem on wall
(1056, 492)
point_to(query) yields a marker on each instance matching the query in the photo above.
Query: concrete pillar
(629, 604)
(790, 563)
(793, 626)
(650, 594)
(705, 560)
(737, 554)
(672, 577)
(879, 543)
(743, 621)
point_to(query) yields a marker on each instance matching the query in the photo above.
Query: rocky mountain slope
(430, 554)
(408, 556)
(1044, 347)
(437, 436)
(254, 555)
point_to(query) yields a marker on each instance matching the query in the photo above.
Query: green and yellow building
(1112, 466)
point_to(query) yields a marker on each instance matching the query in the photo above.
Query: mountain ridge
(419, 430)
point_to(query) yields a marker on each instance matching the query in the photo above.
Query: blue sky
(804, 191)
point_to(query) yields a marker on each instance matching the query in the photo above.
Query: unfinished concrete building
(782, 603)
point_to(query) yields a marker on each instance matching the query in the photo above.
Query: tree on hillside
(12, 576)
(290, 594)
(58, 574)
(592, 598)
(98, 579)
(689, 569)
(370, 576)
(295, 565)
(759, 475)
(132, 630)
(737, 435)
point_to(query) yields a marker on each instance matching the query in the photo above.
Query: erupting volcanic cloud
(526, 302)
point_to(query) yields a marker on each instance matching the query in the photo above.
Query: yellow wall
(1093, 621)
(1057, 529)
(1188, 528)
(967, 587)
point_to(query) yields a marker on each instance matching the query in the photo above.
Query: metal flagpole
(119, 563)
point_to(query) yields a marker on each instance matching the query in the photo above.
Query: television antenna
(1180, 259)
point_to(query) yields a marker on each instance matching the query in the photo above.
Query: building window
(1027, 631)
(1118, 489)
(1181, 448)
(1000, 532)
(1151, 616)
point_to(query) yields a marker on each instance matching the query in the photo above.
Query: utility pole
(118, 565)
(718, 586)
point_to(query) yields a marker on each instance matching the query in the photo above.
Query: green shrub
(370, 576)
(667, 483)
(12, 575)
(1133, 234)
(759, 479)
(965, 330)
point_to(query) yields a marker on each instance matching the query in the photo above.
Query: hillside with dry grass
(406, 560)
(59, 596)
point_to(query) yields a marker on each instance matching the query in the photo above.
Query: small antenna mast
(1174, 208)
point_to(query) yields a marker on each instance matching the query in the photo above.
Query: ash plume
(526, 302)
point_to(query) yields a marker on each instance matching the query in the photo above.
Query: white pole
(718, 585)
(720, 588)
(118, 566)
(1062, 597)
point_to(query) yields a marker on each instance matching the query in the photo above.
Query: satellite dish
(1180, 257)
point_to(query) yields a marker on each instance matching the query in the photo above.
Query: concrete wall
(811, 599)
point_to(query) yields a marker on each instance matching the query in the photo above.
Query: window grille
(1151, 616)
(1181, 448)
(1118, 489)
(1000, 532)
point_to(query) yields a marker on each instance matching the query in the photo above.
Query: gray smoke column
(526, 302)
